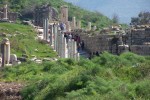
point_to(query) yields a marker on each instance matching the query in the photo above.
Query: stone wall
(100, 43)
(138, 36)
(135, 40)
(6, 15)
(44, 12)
(140, 49)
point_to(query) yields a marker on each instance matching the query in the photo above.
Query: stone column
(77, 57)
(68, 28)
(5, 12)
(65, 49)
(89, 26)
(0, 61)
(79, 24)
(52, 36)
(74, 49)
(64, 14)
(58, 39)
(55, 36)
(73, 23)
(5, 50)
(69, 48)
(58, 43)
(61, 45)
(45, 29)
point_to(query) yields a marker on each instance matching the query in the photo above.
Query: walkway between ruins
(84, 54)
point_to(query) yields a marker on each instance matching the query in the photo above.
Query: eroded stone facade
(44, 12)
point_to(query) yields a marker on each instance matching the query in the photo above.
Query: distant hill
(26, 7)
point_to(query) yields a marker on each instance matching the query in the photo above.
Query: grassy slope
(24, 42)
(107, 77)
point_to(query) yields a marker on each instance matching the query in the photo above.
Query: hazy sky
(125, 9)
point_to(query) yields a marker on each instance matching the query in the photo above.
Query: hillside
(108, 77)
(25, 7)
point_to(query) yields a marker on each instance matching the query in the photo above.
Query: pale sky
(125, 9)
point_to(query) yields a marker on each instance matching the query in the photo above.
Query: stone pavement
(83, 53)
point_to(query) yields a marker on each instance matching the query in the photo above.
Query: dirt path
(10, 91)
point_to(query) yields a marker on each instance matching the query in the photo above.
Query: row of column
(64, 48)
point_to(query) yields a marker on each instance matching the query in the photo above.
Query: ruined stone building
(6, 15)
(113, 39)
(139, 39)
(136, 40)
(44, 12)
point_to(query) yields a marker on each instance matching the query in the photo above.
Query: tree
(115, 19)
(135, 20)
(143, 18)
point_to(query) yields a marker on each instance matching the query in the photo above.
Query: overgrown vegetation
(23, 40)
(108, 77)
(143, 18)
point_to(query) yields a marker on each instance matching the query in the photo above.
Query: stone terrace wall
(140, 49)
(139, 41)
(138, 36)
(41, 13)
(98, 43)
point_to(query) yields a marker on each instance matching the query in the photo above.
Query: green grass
(24, 42)
(107, 77)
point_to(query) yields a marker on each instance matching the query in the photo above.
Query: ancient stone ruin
(6, 15)
(6, 58)
(112, 39)
(43, 12)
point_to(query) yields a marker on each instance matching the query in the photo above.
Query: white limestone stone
(5, 12)
(79, 24)
(73, 23)
(5, 51)
(89, 26)
(64, 14)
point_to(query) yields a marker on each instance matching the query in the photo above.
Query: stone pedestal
(94, 28)
(13, 60)
(5, 51)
